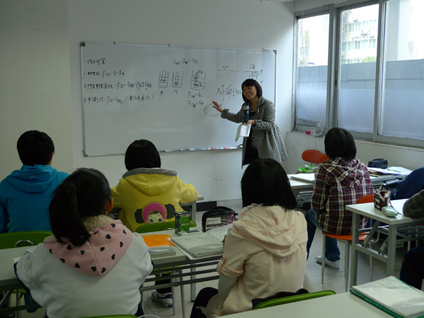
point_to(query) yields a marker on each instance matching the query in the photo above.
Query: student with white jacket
(93, 265)
(265, 250)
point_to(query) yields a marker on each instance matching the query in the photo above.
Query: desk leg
(193, 287)
(193, 211)
(354, 259)
(391, 250)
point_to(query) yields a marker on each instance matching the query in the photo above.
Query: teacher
(265, 139)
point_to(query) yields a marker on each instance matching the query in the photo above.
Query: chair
(347, 239)
(112, 316)
(314, 156)
(155, 227)
(294, 298)
(17, 239)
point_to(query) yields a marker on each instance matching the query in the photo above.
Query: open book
(393, 296)
(199, 244)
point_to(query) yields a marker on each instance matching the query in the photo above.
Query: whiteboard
(164, 94)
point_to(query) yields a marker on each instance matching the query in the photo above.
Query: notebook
(392, 296)
(159, 244)
(199, 244)
(306, 177)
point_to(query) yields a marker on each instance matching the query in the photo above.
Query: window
(402, 110)
(382, 101)
(311, 71)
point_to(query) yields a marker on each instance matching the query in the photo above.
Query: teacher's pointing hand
(217, 106)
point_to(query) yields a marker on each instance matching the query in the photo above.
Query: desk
(8, 280)
(194, 207)
(343, 305)
(394, 224)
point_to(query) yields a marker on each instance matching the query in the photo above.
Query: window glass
(402, 111)
(312, 60)
(357, 68)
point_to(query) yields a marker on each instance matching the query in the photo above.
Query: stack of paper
(199, 244)
(393, 296)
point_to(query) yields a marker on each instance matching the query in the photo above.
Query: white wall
(34, 78)
(250, 24)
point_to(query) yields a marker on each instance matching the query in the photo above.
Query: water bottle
(246, 113)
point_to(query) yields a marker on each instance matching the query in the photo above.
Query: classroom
(41, 77)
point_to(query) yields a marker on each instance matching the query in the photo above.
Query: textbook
(159, 244)
(199, 244)
(392, 296)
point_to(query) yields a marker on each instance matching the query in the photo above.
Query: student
(339, 181)
(265, 140)
(26, 193)
(93, 265)
(412, 270)
(148, 194)
(264, 251)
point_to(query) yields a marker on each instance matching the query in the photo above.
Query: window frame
(334, 11)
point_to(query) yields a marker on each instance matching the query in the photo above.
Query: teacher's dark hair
(265, 182)
(84, 193)
(142, 154)
(339, 142)
(251, 82)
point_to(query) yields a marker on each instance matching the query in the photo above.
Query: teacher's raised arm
(265, 139)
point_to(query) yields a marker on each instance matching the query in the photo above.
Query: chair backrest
(113, 316)
(314, 156)
(366, 199)
(16, 239)
(155, 227)
(291, 299)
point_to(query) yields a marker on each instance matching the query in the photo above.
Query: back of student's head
(35, 147)
(339, 142)
(83, 194)
(142, 154)
(265, 182)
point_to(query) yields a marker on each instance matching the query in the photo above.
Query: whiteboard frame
(84, 43)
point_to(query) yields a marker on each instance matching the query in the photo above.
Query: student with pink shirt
(265, 250)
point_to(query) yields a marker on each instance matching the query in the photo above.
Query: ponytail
(64, 217)
(83, 194)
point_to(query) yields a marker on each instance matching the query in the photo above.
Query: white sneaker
(333, 264)
(164, 299)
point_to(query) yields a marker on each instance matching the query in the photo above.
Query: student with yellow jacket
(149, 194)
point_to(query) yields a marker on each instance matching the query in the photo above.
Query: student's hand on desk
(217, 106)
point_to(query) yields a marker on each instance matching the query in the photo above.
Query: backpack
(217, 217)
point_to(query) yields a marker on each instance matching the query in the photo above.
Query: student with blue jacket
(25, 194)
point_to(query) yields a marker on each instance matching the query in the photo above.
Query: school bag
(217, 217)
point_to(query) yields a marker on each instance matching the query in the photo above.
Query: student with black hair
(339, 181)
(26, 193)
(265, 140)
(148, 194)
(264, 251)
(93, 265)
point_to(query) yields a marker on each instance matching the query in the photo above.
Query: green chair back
(155, 227)
(112, 316)
(18, 239)
(291, 299)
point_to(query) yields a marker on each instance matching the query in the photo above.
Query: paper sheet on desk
(243, 131)
(390, 171)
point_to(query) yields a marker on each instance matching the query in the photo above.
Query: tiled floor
(334, 279)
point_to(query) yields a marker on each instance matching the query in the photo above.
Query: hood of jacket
(33, 179)
(277, 230)
(349, 172)
(107, 244)
(151, 181)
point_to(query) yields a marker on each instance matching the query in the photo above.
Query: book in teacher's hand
(393, 296)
